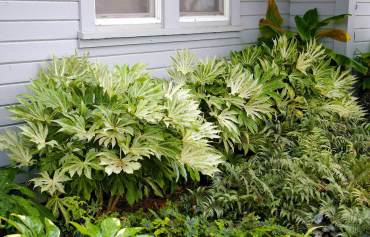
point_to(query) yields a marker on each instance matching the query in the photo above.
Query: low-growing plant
(109, 227)
(175, 222)
(108, 135)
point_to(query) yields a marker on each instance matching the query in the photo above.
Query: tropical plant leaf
(116, 165)
(336, 34)
(273, 14)
(73, 164)
(52, 185)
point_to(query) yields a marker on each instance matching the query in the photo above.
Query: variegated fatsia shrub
(94, 132)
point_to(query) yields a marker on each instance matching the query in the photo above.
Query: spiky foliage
(311, 160)
(230, 96)
(87, 126)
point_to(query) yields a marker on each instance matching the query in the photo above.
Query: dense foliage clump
(100, 134)
(310, 159)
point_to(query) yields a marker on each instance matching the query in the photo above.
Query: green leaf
(74, 165)
(49, 184)
(92, 232)
(34, 224)
(116, 165)
(347, 62)
(311, 18)
(129, 232)
(333, 19)
(303, 28)
(157, 190)
(110, 227)
(51, 229)
(131, 193)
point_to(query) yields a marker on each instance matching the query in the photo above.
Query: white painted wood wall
(361, 25)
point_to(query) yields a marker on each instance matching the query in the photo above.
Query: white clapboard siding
(5, 115)
(38, 10)
(252, 11)
(362, 27)
(38, 30)
(325, 7)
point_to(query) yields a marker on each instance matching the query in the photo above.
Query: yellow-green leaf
(336, 34)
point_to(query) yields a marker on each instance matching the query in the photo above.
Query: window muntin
(114, 12)
(204, 10)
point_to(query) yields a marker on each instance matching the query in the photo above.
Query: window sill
(119, 32)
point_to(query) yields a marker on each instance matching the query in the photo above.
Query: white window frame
(209, 18)
(167, 25)
(133, 20)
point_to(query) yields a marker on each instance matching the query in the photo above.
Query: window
(106, 22)
(203, 10)
(113, 12)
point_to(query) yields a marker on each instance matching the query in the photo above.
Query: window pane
(124, 8)
(201, 7)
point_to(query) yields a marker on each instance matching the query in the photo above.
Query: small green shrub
(104, 135)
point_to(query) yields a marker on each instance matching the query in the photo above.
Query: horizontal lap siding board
(251, 11)
(38, 10)
(362, 27)
(38, 30)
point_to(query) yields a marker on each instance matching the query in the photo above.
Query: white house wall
(361, 26)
